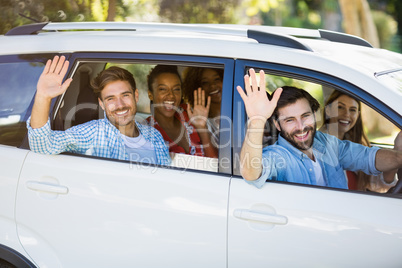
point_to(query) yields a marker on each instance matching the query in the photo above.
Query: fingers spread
(208, 103)
(60, 65)
(262, 80)
(47, 67)
(190, 113)
(241, 92)
(254, 80)
(276, 95)
(54, 64)
(195, 97)
(202, 97)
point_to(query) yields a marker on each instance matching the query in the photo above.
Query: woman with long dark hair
(183, 129)
(343, 119)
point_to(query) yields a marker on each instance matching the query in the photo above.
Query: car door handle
(252, 215)
(46, 187)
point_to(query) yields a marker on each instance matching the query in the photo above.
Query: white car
(73, 210)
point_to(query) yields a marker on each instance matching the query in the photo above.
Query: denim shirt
(96, 137)
(283, 162)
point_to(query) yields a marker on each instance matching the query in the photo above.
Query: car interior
(79, 105)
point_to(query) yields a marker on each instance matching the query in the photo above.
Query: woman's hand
(199, 115)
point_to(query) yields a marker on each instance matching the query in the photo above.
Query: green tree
(14, 13)
(198, 11)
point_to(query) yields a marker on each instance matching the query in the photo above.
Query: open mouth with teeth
(344, 122)
(302, 136)
(121, 112)
(214, 92)
(169, 105)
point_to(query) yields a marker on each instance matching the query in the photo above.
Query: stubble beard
(300, 145)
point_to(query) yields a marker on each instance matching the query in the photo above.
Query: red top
(352, 180)
(195, 145)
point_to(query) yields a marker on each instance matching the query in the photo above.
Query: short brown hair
(292, 94)
(112, 74)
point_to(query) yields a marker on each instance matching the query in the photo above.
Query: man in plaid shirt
(116, 136)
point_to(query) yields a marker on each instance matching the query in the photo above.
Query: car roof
(348, 57)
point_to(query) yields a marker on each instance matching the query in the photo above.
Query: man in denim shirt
(301, 154)
(116, 136)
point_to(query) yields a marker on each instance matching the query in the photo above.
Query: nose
(119, 103)
(300, 124)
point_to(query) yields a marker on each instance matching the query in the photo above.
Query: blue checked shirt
(99, 137)
(283, 162)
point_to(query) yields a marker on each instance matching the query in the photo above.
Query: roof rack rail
(263, 37)
(32, 28)
(277, 40)
(343, 38)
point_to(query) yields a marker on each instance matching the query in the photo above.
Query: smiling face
(343, 114)
(297, 124)
(166, 94)
(211, 83)
(119, 102)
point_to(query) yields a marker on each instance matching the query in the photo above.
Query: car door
(18, 77)
(293, 225)
(84, 211)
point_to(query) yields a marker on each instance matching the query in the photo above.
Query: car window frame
(225, 152)
(300, 73)
(30, 57)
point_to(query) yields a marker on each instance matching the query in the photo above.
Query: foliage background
(327, 14)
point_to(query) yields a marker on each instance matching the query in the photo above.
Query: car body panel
(11, 160)
(120, 214)
(332, 228)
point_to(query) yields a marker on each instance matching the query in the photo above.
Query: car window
(79, 104)
(378, 131)
(17, 88)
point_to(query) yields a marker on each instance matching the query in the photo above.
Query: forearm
(388, 161)
(40, 111)
(251, 152)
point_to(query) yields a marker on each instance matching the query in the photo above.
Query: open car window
(79, 104)
(20, 78)
(378, 130)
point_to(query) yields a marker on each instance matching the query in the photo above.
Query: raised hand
(256, 101)
(199, 115)
(49, 86)
(50, 82)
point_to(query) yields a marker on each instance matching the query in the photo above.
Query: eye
(340, 107)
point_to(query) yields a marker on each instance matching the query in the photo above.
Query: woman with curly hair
(184, 130)
(209, 80)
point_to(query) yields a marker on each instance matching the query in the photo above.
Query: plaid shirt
(96, 137)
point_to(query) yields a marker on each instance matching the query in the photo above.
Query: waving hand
(49, 86)
(255, 99)
(50, 82)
